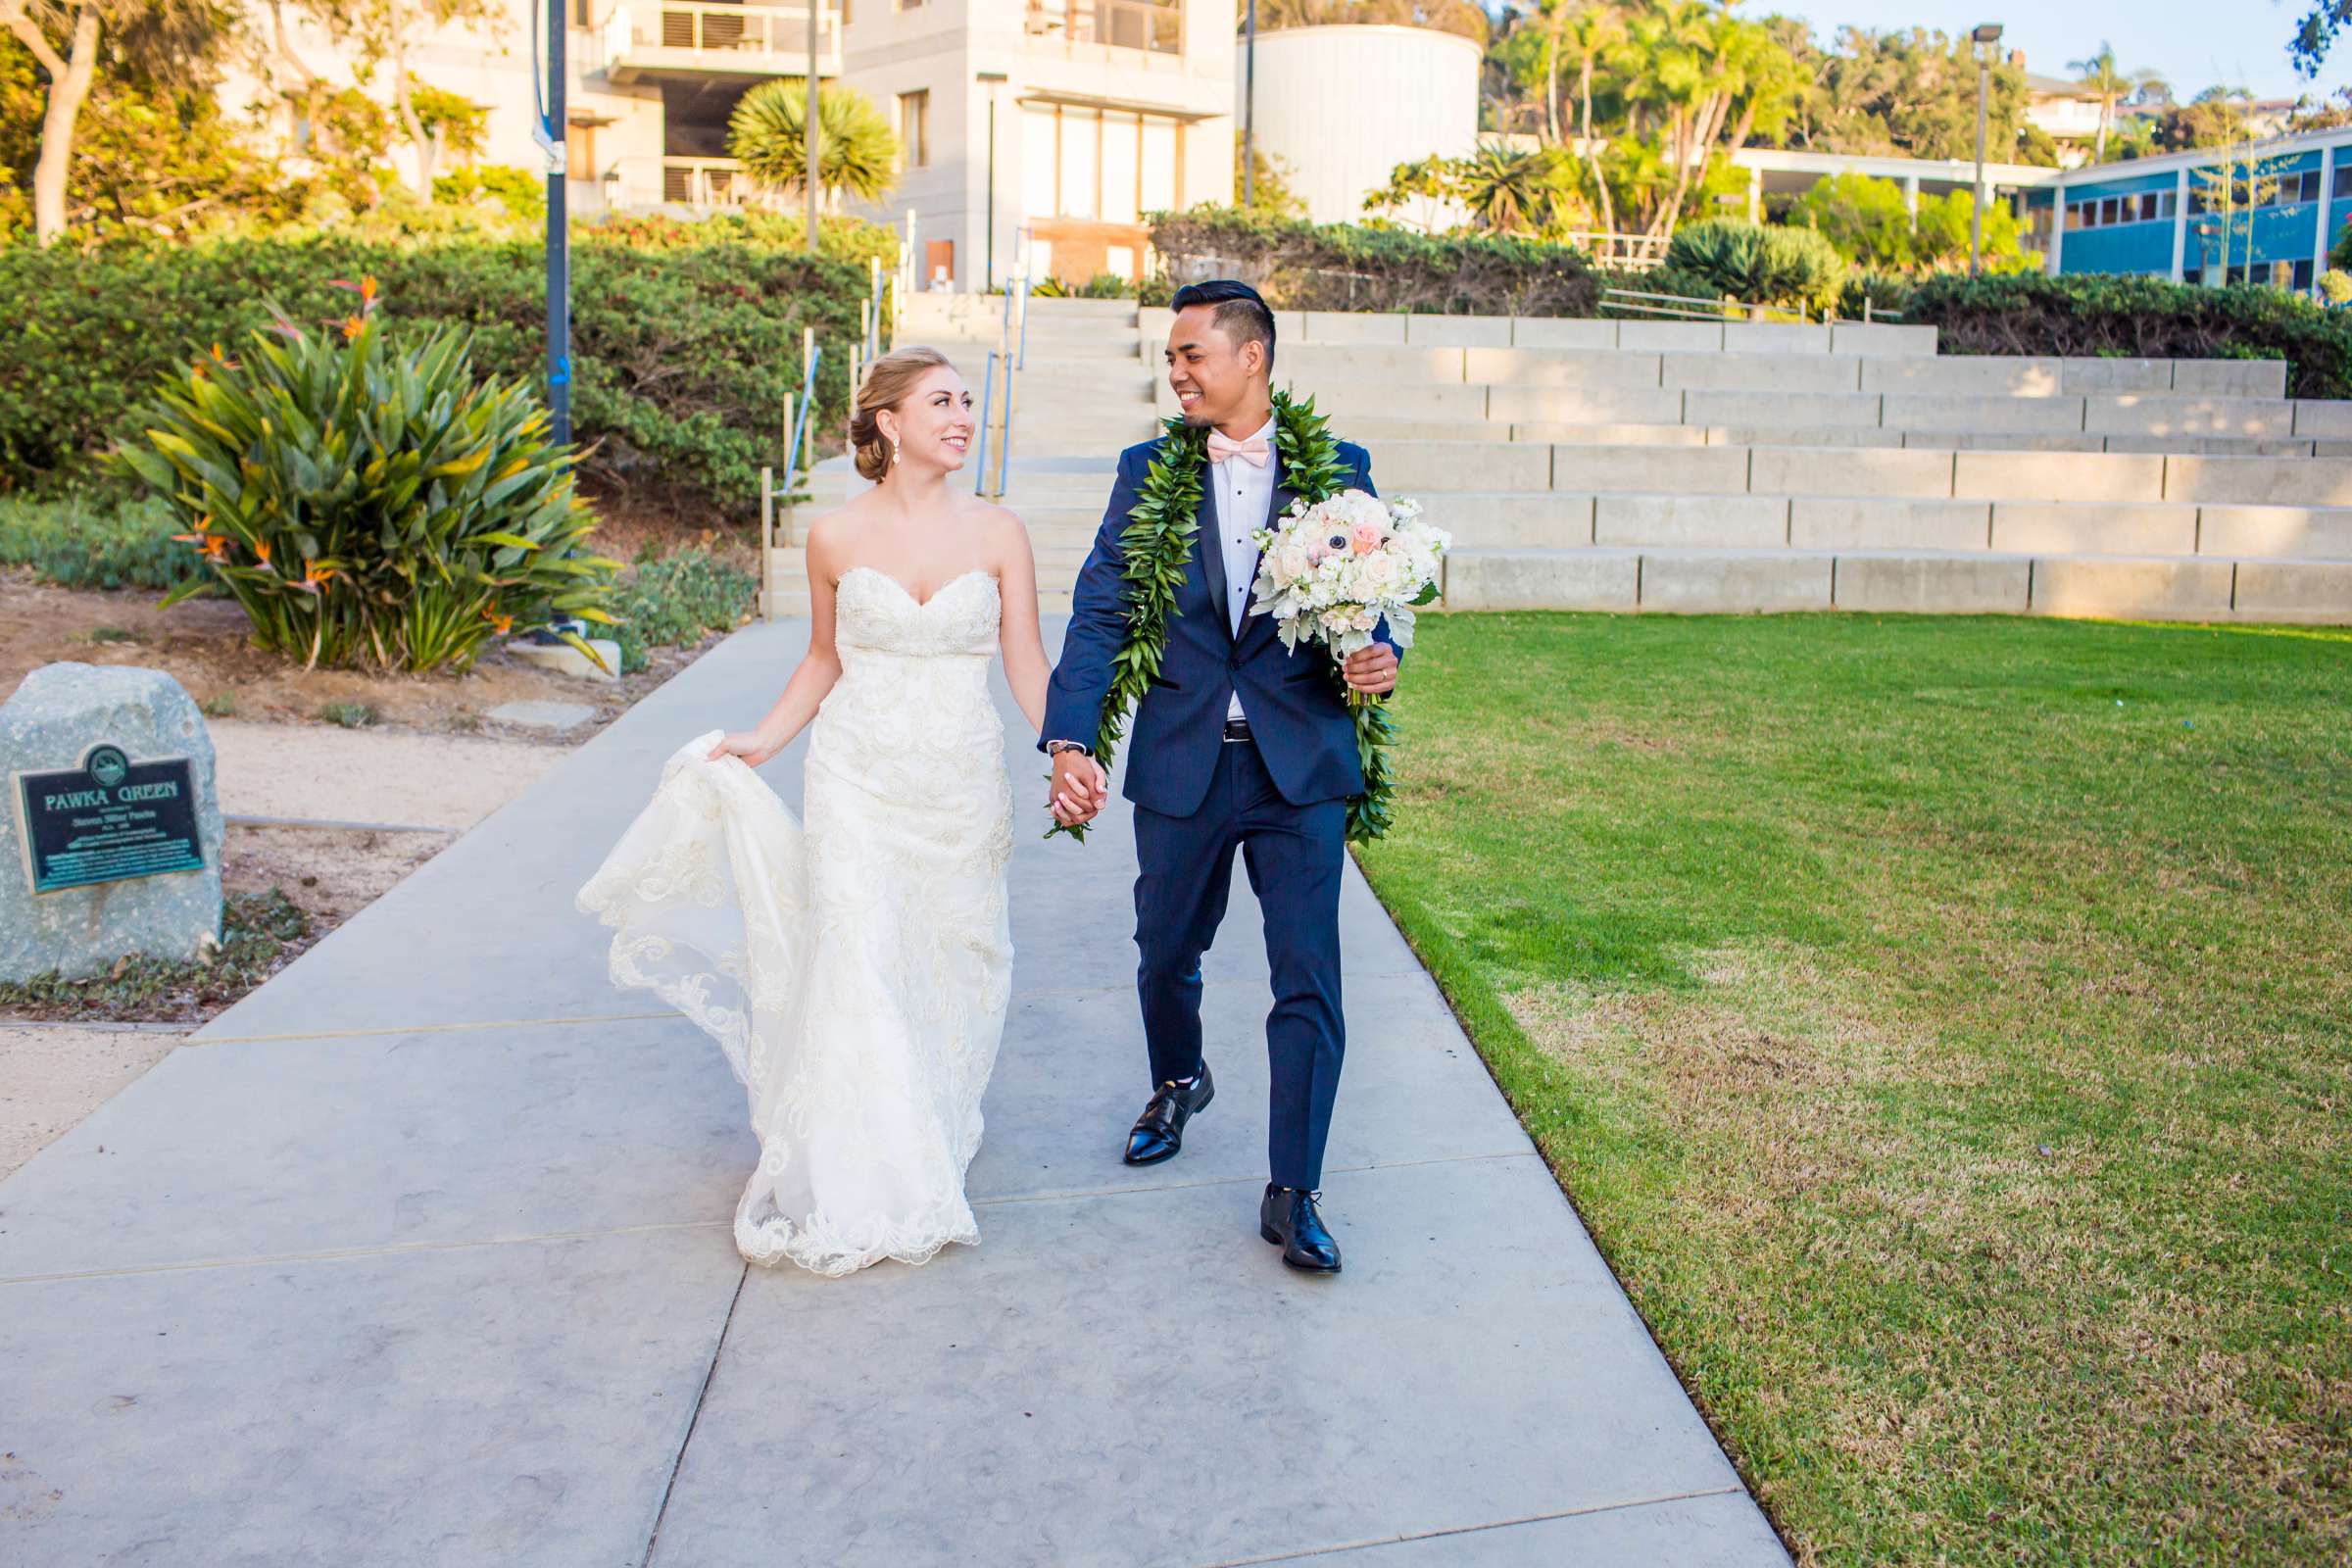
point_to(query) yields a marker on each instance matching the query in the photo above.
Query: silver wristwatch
(1056, 748)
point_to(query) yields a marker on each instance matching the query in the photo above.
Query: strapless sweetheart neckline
(909, 594)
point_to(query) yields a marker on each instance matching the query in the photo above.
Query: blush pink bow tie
(1253, 451)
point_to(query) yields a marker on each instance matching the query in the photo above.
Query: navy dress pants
(1295, 854)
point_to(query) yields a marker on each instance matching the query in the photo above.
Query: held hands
(1372, 670)
(1080, 787)
(747, 744)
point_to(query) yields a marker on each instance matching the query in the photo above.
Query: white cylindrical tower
(1340, 106)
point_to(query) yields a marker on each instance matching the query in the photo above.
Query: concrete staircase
(1737, 466)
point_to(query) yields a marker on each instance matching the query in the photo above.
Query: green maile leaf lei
(1157, 544)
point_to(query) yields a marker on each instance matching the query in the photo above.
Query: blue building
(2167, 217)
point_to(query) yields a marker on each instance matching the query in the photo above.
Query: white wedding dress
(855, 971)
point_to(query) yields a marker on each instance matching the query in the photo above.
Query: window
(2343, 176)
(2193, 277)
(2073, 217)
(2108, 213)
(2299, 275)
(2307, 185)
(915, 129)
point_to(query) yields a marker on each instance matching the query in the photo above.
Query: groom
(1238, 743)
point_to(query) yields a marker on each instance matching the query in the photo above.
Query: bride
(855, 969)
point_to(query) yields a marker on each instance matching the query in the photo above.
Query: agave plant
(367, 504)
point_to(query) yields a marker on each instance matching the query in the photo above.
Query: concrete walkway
(421, 1254)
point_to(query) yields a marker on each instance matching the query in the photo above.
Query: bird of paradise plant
(371, 503)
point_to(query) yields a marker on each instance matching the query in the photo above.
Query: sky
(2194, 43)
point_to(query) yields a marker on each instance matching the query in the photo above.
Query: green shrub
(674, 600)
(686, 337)
(372, 504)
(521, 191)
(1759, 264)
(1343, 267)
(96, 541)
(1883, 292)
(2091, 314)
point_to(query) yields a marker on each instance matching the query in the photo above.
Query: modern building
(1059, 121)
(2265, 212)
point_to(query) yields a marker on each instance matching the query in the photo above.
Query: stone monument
(110, 838)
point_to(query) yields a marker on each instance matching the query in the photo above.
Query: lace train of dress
(855, 971)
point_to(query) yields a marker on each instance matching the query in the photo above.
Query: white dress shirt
(1245, 496)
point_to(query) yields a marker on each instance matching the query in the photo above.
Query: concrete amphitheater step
(1671, 518)
(1427, 467)
(1718, 581)
(1314, 365)
(1398, 328)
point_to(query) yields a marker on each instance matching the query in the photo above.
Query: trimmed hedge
(685, 345)
(2090, 314)
(1346, 266)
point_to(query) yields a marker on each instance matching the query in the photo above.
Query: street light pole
(1250, 109)
(989, 80)
(558, 235)
(1984, 38)
(808, 150)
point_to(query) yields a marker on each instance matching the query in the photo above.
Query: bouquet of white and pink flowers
(1334, 570)
(1331, 573)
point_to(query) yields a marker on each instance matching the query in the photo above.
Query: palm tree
(857, 154)
(2109, 85)
(1597, 28)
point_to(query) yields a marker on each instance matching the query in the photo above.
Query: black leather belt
(1237, 729)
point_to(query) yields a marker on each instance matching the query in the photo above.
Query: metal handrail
(1011, 352)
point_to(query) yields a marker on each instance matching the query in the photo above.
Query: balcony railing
(680, 36)
(716, 185)
(1158, 28)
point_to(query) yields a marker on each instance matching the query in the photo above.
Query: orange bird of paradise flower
(502, 624)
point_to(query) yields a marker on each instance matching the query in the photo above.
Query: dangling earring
(894, 451)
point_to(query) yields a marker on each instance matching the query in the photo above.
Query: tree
(856, 153)
(1271, 194)
(161, 46)
(2217, 118)
(2109, 85)
(1464, 17)
(2316, 32)
(1426, 189)
(1596, 29)
(384, 32)
(1866, 219)
(2224, 195)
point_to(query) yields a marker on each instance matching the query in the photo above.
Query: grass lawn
(1944, 1027)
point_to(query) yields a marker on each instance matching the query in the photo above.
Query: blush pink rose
(1367, 538)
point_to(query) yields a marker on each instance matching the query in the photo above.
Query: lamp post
(808, 150)
(1250, 109)
(558, 235)
(1984, 38)
(990, 80)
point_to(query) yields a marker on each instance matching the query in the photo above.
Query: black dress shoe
(1289, 1220)
(1159, 1131)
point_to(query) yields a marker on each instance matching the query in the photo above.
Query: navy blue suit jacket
(1296, 715)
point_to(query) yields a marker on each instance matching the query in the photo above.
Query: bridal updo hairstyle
(888, 382)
